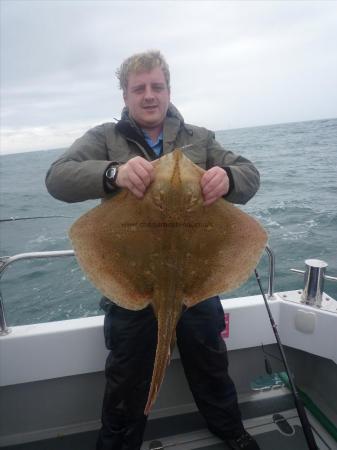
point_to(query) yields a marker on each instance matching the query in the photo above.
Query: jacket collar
(172, 124)
(130, 130)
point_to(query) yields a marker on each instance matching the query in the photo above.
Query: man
(114, 156)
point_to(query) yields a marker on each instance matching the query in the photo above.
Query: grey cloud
(232, 63)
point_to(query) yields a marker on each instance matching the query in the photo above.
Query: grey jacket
(78, 174)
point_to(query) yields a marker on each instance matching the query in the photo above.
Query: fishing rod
(14, 219)
(309, 437)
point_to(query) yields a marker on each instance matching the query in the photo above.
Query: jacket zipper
(142, 149)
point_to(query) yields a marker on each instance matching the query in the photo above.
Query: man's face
(147, 97)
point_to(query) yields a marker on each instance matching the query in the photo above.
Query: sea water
(297, 204)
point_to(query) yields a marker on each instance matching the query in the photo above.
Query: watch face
(111, 173)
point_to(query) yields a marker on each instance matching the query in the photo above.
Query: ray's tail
(167, 321)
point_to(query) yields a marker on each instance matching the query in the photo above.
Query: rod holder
(314, 277)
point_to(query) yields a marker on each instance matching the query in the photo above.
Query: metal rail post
(7, 261)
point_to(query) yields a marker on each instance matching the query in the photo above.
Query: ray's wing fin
(115, 249)
(225, 248)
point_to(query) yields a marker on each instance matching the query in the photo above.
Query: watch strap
(109, 184)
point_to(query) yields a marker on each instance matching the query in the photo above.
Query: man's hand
(214, 184)
(135, 175)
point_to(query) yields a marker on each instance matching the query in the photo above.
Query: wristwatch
(111, 175)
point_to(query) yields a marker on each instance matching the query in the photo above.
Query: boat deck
(273, 422)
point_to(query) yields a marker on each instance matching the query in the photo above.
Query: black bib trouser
(131, 338)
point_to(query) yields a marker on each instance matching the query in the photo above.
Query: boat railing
(271, 272)
(6, 261)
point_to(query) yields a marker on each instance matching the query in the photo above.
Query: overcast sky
(233, 64)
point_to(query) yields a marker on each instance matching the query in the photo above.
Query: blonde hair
(142, 62)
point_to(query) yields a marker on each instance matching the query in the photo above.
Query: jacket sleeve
(245, 176)
(78, 174)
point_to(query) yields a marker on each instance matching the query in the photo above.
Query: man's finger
(144, 173)
(213, 183)
(210, 201)
(144, 166)
(136, 181)
(207, 178)
(135, 190)
(139, 194)
(135, 175)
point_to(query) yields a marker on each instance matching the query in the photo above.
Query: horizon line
(16, 152)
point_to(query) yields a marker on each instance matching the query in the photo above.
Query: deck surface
(188, 431)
